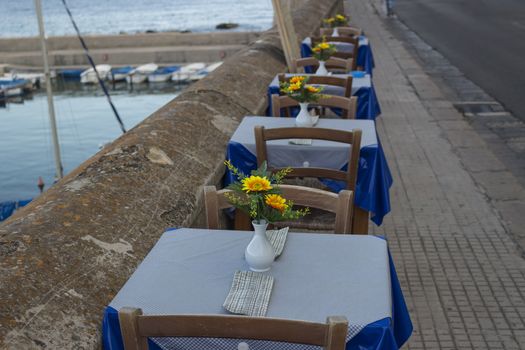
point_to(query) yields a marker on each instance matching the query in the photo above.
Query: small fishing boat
(90, 77)
(13, 87)
(204, 72)
(162, 74)
(184, 74)
(36, 79)
(140, 74)
(119, 74)
(70, 74)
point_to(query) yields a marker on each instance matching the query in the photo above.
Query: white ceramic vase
(322, 69)
(304, 119)
(335, 32)
(259, 253)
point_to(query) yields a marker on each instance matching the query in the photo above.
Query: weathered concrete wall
(129, 40)
(127, 49)
(64, 257)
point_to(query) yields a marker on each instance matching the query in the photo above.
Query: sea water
(85, 120)
(85, 123)
(18, 18)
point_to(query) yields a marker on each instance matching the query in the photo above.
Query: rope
(92, 63)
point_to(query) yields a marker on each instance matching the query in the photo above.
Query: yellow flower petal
(276, 201)
(256, 184)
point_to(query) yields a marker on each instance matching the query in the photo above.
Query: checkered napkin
(249, 294)
(277, 239)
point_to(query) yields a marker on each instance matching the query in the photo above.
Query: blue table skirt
(365, 58)
(385, 334)
(367, 103)
(373, 177)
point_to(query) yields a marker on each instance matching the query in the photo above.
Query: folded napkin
(249, 294)
(277, 238)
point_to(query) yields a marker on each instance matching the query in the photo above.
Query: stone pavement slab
(462, 272)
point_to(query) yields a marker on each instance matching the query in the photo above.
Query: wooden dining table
(190, 271)
(372, 199)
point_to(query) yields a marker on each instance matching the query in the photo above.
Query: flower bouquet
(322, 52)
(298, 89)
(260, 197)
(338, 20)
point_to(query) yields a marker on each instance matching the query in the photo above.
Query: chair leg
(360, 224)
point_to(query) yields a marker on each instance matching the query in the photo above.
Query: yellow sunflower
(297, 79)
(330, 20)
(256, 184)
(340, 17)
(324, 46)
(295, 87)
(276, 201)
(312, 89)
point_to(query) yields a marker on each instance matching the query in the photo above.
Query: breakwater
(125, 49)
(65, 256)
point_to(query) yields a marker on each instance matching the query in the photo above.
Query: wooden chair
(347, 105)
(343, 31)
(340, 204)
(352, 138)
(333, 64)
(341, 39)
(345, 83)
(262, 135)
(136, 328)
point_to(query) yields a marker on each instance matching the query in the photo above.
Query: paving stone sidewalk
(462, 272)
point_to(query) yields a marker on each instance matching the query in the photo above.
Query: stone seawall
(64, 257)
(127, 48)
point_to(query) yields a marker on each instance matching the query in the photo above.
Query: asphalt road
(485, 39)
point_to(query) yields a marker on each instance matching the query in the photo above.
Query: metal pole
(59, 172)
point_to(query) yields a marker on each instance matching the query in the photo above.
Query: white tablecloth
(325, 154)
(189, 271)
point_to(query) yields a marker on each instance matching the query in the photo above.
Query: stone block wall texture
(65, 256)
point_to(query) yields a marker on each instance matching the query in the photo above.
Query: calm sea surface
(17, 17)
(85, 122)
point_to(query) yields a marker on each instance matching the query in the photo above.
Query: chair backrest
(343, 31)
(136, 328)
(341, 39)
(332, 64)
(341, 204)
(346, 104)
(352, 138)
(343, 82)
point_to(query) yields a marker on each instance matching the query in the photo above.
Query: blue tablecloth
(386, 334)
(367, 102)
(373, 178)
(365, 58)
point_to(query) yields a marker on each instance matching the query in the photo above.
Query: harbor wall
(66, 51)
(65, 256)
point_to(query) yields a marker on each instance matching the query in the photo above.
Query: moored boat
(204, 72)
(140, 74)
(90, 77)
(162, 74)
(13, 87)
(120, 74)
(184, 74)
